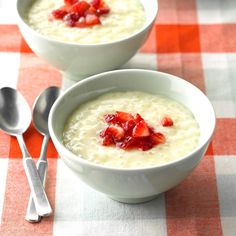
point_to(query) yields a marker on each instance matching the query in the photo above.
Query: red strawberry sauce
(78, 13)
(126, 131)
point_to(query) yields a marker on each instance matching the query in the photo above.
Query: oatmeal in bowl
(83, 38)
(80, 22)
(131, 130)
(132, 134)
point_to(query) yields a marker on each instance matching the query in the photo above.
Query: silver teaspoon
(41, 109)
(15, 117)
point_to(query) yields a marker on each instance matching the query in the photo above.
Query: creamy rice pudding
(124, 18)
(83, 130)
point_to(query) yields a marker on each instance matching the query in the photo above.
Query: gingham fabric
(193, 39)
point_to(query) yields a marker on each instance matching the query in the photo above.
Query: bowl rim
(78, 158)
(146, 25)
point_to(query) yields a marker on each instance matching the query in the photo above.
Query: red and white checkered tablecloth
(193, 39)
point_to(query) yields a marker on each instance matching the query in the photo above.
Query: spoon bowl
(42, 107)
(15, 114)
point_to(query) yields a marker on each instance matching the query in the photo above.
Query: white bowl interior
(139, 80)
(22, 7)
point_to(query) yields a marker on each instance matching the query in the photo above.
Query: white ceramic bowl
(133, 185)
(77, 60)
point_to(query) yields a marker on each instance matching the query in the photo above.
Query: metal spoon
(41, 109)
(15, 117)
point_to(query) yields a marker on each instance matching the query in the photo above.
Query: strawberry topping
(91, 19)
(128, 131)
(59, 13)
(144, 143)
(70, 2)
(128, 127)
(103, 10)
(81, 13)
(123, 116)
(80, 7)
(141, 129)
(127, 143)
(138, 118)
(71, 18)
(158, 138)
(167, 121)
(95, 3)
(107, 141)
(114, 131)
(110, 118)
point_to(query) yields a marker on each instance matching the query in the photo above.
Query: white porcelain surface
(133, 185)
(76, 60)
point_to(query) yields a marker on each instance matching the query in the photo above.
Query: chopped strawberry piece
(141, 129)
(138, 118)
(115, 131)
(81, 23)
(110, 118)
(127, 143)
(92, 20)
(103, 10)
(144, 143)
(123, 116)
(59, 13)
(128, 127)
(102, 134)
(167, 121)
(71, 18)
(91, 10)
(95, 3)
(157, 138)
(70, 2)
(118, 118)
(80, 8)
(107, 141)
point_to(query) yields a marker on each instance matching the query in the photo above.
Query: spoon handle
(42, 205)
(31, 213)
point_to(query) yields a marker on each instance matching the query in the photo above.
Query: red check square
(177, 38)
(10, 40)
